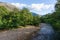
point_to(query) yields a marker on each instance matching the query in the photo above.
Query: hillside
(11, 7)
(34, 14)
(8, 6)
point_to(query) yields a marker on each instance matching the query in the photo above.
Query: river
(46, 32)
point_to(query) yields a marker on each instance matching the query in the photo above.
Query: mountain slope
(34, 14)
(10, 7)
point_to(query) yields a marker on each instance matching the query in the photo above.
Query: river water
(46, 32)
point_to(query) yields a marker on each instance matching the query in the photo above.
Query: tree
(54, 18)
(15, 18)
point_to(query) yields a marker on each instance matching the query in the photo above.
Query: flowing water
(46, 32)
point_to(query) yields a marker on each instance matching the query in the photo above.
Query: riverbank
(57, 35)
(24, 33)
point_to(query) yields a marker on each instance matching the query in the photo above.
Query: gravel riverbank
(19, 34)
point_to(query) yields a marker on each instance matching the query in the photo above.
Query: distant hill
(34, 14)
(10, 7)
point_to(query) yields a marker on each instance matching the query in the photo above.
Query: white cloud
(39, 7)
(35, 7)
(16, 4)
(19, 5)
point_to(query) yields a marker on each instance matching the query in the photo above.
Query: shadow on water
(46, 32)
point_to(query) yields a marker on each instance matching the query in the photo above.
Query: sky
(40, 7)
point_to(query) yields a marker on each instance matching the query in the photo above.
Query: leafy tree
(15, 18)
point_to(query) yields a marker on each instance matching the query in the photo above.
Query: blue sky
(40, 7)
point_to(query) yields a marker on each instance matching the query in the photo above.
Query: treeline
(53, 18)
(16, 18)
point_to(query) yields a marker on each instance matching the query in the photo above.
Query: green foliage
(15, 18)
(36, 20)
(54, 18)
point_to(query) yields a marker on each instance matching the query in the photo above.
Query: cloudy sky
(40, 7)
